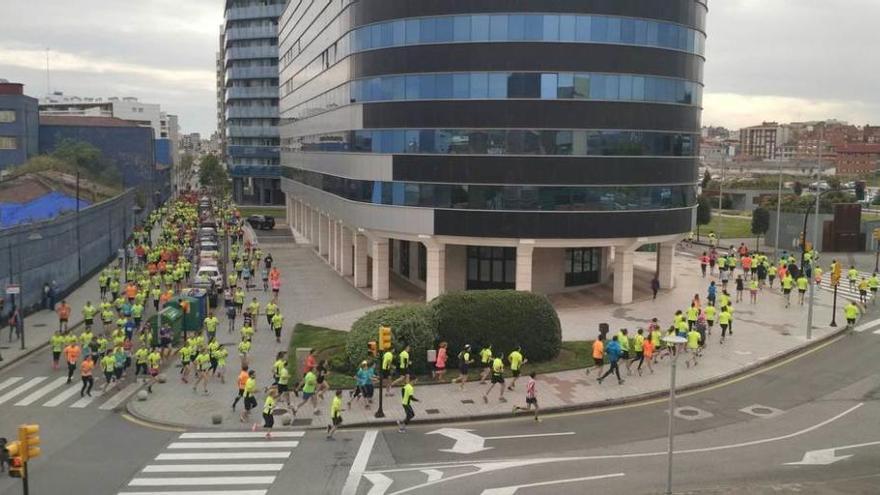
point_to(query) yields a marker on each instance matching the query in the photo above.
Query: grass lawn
(330, 343)
(728, 227)
(279, 212)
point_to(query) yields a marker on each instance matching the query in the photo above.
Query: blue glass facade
(250, 65)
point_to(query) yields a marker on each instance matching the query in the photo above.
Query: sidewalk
(39, 326)
(763, 332)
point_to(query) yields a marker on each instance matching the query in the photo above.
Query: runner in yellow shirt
(335, 414)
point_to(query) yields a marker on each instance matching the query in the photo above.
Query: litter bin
(171, 317)
(192, 319)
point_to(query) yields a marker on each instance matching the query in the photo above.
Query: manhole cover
(467, 401)
(689, 412)
(762, 411)
(301, 422)
(432, 411)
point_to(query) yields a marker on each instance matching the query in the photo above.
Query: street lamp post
(778, 216)
(815, 245)
(673, 340)
(721, 194)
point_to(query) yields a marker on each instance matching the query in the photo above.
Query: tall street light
(815, 243)
(673, 340)
(778, 217)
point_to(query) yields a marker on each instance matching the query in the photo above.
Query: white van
(210, 273)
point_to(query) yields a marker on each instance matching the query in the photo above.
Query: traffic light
(384, 338)
(372, 346)
(16, 465)
(29, 436)
(860, 190)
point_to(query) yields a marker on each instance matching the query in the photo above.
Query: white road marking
(471, 443)
(483, 467)
(35, 395)
(214, 480)
(876, 332)
(360, 463)
(433, 474)
(241, 434)
(212, 492)
(63, 396)
(866, 326)
(510, 490)
(120, 396)
(211, 468)
(87, 400)
(219, 456)
(9, 381)
(267, 444)
(21, 388)
(824, 457)
(381, 483)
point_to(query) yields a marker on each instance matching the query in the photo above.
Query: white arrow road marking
(483, 467)
(471, 443)
(824, 457)
(380, 482)
(510, 490)
(433, 474)
(359, 465)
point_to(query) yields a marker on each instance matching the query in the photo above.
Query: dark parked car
(261, 222)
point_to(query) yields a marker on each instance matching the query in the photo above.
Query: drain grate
(467, 401)
(432, 411)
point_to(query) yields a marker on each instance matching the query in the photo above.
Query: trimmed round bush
(411, 324)
(506, 319)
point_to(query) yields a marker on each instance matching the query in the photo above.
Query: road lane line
(381, 483)
(212, 492)
(204, 480)
(87, 400)
(241, 434)
(63, 396)
(219, 456)
(211, 468)
(268, 444)
(21, 388)
(120, 396)
(511, 490)
(10, 381)
(35, 395)
(359, 465)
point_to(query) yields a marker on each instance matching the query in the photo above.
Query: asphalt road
(824, 399)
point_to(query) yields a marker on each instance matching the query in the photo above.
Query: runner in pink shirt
(531, 397)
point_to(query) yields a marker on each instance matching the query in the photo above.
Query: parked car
(210, 273)
(261, 222)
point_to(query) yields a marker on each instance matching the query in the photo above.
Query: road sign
(12, 289)
(471, 443)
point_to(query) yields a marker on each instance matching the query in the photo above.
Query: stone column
(360, 260)
(381, 280)
(665, 264)
(346, 255)
(331, 244)
(323, 234)
(435, 285)
(623, 276)
(313, 228)
(524, 267)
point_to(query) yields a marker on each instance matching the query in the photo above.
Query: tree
(760, 223)
(212, 175)
(704, 213)
(707, 177)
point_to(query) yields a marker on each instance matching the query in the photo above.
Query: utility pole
(815, 241)
(778, 216)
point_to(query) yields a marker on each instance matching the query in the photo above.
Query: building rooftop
(79, 120)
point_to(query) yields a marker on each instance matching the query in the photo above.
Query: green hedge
(411, 324)
(505, 319)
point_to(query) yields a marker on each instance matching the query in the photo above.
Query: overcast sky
(783, 60)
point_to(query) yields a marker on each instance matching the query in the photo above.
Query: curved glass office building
(478, 144)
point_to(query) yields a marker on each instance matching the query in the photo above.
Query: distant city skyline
(767, 60)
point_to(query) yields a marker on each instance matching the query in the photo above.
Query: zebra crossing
(874, 326)
(843, 289)
(202, 463)
(44, 391)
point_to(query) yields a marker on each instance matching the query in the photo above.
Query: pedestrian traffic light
(29, 436)
(372, 346)
(384, 338)
(16, 465)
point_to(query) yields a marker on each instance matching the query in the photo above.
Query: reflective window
(502, 142)
(493, 197)
(527, 27)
